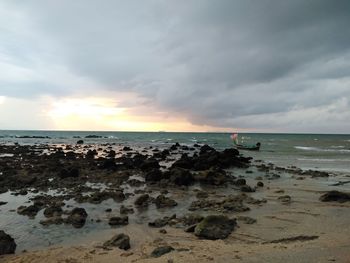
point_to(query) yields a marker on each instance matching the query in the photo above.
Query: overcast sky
(263, 65)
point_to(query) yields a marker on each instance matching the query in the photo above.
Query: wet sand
(303, 229)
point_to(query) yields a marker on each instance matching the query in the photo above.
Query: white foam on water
(316, 149)
(323, 160)
(305, 148)
(6, 155)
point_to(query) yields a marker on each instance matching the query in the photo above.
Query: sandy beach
(278, 212)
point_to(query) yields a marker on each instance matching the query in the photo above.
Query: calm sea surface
(307, 151)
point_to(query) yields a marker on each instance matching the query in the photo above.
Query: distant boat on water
(249, 147)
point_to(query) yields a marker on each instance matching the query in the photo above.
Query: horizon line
(297, 133)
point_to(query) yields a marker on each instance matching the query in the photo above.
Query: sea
(326, 152)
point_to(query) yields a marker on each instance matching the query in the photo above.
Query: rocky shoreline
(216, 188)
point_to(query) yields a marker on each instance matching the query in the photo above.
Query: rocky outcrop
(7, 244)
(162, 201)
(180, 176)
(70, 172)
(161, 222)
(231, 203)
(30, 211)
(335, 196)
(121, 241)
(208, 157)
(53, 211)
(154, 175)
(118, 221)
(77, 217)
(215, 227)
(142, 200)
(160, 251)
(126, 210)
(213, 176)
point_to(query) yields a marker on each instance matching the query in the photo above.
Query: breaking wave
(316, 149)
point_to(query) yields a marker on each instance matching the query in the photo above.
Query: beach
(176, 198)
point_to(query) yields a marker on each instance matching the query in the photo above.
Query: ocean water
(307, 151)
(322, 152)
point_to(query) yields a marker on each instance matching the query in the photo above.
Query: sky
(194, 65)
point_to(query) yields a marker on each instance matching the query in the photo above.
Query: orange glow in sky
(104, 114)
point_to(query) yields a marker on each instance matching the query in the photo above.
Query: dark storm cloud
(225, 63)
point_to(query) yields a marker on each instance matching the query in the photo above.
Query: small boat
(249, 147)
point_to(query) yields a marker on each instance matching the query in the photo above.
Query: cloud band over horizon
(274, 66)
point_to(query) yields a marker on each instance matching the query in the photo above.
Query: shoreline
(287, 222)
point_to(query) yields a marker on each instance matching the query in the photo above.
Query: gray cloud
(225, 63)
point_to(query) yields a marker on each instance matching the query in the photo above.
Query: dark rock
(53, 211)
(161, 155)
(335, 196)
(162, 231)
(118, 221)
(229, 204)
(126, 149)
(149, 164)
(93, 136)
(142, 200)
(213, 177)
(161, 222)
(247, 189)
(190, 229)
(55, 220)
(215, 227)
(80, 142)
(125, 210)
(135, 182)
(260, 184)
(111, 154)
(70, 155)
(313, 173)
(160, 251)
(246, 219)
(72, 172)
(161, 201)
(174, 146)
(154, 175)
(240, 181)
(285, 199)
(109, 164)
(185, 148)
(206, 148)
(192, 219)
(98, 197)
(121, 241)
(30, 211)
(184, 162)
(23, 192)
(77, 217)
(180, 176)
(202, 194)
(91, 154)
(7, 244)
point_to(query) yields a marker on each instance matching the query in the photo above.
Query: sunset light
(104, 114)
